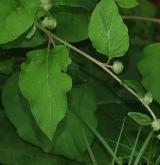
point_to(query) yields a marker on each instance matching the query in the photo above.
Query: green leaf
(6, 65)
(108, 33)
(76, 23)
(44, 83)
(23, 42)
(70, 142)
(147, 9)
(15, 18)
(18, 112)
(127, 3)
(140, 118)
(149, 68)
(135, 85)
(87, 4)
(14, 151)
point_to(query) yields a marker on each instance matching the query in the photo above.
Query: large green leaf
(76, 23)
(18, 111)
(15, 18)
(87, 4)
(149, 68)
(44, 84)
(108, 33)
(14, 151)
(127, 3)
(69, 141)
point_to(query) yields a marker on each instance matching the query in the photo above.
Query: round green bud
(117, 67)
(147, 99)
(156, 124)
(46, 4)
(49, 22)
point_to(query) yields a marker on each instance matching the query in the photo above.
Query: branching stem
(100, 64)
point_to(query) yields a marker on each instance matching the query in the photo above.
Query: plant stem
(100, 64)
(154, 20)
(118, 141)
(102, 141)
(144, 146)
(89, 148)
(134, 147)
(108, 66)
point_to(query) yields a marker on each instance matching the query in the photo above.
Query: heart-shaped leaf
(44, 83)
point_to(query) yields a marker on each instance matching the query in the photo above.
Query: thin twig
(100, 64)
(147, 19)
(49, 43)
(107, 65)
(51, 39)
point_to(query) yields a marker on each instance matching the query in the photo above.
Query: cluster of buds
(48, 22)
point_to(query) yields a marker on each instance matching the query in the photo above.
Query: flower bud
(46, 4)
(147, 99)
(156, 124)
(117, 67)
(49, 22)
